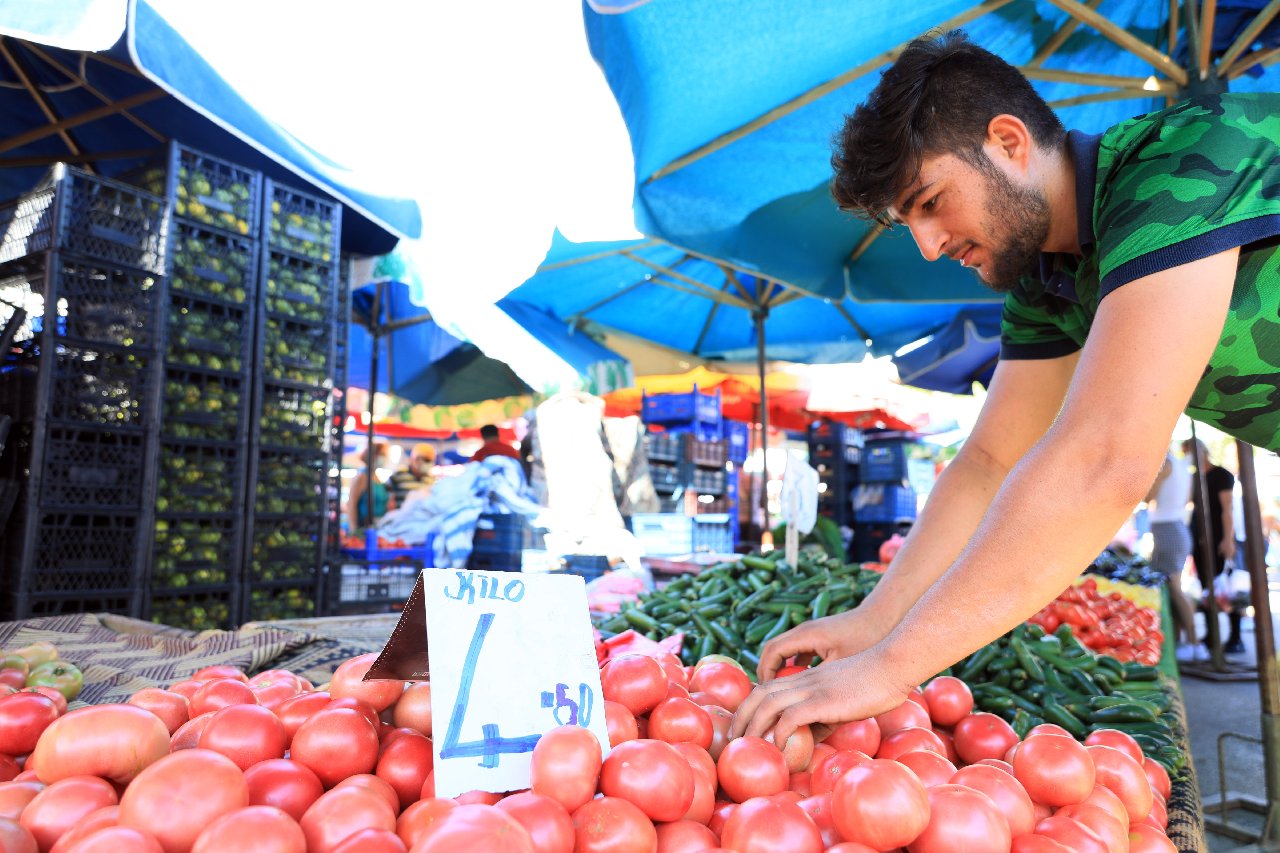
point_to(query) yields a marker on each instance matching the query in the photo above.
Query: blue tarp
(124, 48)
(964, 352)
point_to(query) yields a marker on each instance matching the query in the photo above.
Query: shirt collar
(1083, 150)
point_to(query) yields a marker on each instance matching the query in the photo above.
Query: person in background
(493, 445)
(1222, 527)
(1171, 543)
(415, 476)
(357, 504)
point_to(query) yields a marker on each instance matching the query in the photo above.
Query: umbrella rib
(1248, 35)
(1100, 97)
(83, 118)
(857, 327)
(1208, 14)
(700, 289)
(597, 256)
(1057, 40)
(711, 315)
(1264, 58)
(731, 276)
(815, 93)
(76, 159)
(578, 318)
(20, 69)
(1174, 7)
(1114, 32)
(1112, 80)
(139, 123)
(867, 239)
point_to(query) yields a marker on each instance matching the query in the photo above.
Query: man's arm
(1227, 547)
(1055, 511)
(1165, 470)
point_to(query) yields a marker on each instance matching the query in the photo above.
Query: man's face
(977, 216)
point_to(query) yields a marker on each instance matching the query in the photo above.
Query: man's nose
(930, 239)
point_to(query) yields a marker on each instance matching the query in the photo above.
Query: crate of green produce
(285, 549)
(299, 290)
(288, 483)
(297, 352)
(293, 418)
(195, 609)
(203, 406)
(206, 189)
(193, 552)
(266, 602)
(207, 336)
(304, 224)
(199, 478)
(211, 265)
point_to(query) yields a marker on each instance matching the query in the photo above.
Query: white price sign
(512, 656)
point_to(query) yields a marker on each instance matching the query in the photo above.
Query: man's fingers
(769, 709)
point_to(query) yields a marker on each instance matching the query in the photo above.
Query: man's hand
(829, 638)
(835, 692)
(1227, 548)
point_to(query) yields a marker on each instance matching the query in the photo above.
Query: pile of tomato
(1107, 623)
(223, 762)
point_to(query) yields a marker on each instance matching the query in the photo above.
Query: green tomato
(18, 662)
(62, 676)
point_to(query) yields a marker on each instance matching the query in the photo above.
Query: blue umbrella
(964, 352)
(103, 84)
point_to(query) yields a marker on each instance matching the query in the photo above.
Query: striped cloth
(1171, 543)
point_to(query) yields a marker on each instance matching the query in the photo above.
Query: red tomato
(343, 812)
(186, 688)
(1072, 834)
(949, 743)
(1104, 799)
(549, 826)
(949, 700)
(1157, 776)
(113, 839)
(652, 775)
(52, 692)
(188, 734)
(751, 767)
(1056, 771)
(296, 711)
(703, 804)
(365, 709)
(983, 735)
(790, 669)
(620, 723)
(103, 817)
(284, 784)
(273, 694)
(998, 763)
(64, 804)
(611, 825)
(681, 721)
(221, 670)
(371, 841)
(219, 693)
(637, 682)
(254, 829)
(684, 836)
(820, 751)
(818, 808)
(348, 683)
(1148, 839)
(470, 828)
(1005, 791)
(15, 839)
(404, 764)
(14, 797)
(721, 722)
(860, 735)
(181, 794)
(1049, 729)
(797, 752)
(700, 760)
(413, 821)
(961, 818)
(825, 775)
(799, 782)
(413, 709)
(908, 740)
(1113, 832)
(930, 767)
(671, 666)
(907, 714)
(173, 709)
(1117, 739)
(726, 682)
(719, 814)
(675, 691)
(23, 718)
(247, 734)
(1126, 779)
(114, 742)
(335, 744)
(850, 847)
(769, 826)
(566, 765)
(373, 785)
(881, 804)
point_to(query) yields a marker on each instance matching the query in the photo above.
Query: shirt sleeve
(1197, 182)
(1028, 331)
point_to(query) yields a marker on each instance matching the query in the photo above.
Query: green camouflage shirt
(1156, 192)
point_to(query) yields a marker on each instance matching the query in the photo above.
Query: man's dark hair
(488, 432)
(938, 97)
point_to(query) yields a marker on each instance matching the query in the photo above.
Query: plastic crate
(203, 406)
(80, 552)
(27, 224)
(495, 561)
(264, 603)
(19, 383)
(682, 408)
(738, 438)
(884, 502)
(708, 482)
(293, 418)
(887, 461)
(194, 552)
(663, 446)
(358, 584)
(211, 265)
(702, 431)
(202, 609)
(868, 537)
(205, 336)
(834, 434)
(304, 224)
(207, 479)
(713, 532)
(285, 549)
(92, 468)
(663, 534)
(215, 192)
(297, 352)
(712, 454)
(589, 567)
(299, 290)
(94, 386)
(290, 483)
(667, 478)
(504, 533)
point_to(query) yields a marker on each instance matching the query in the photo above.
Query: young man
(493, 445)
(1142, 280)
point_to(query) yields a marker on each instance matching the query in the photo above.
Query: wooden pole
(1208, 15)
(1110, 80)
(1249, 34)
(867, 239)
(1057, 40)
(1124, 39)
(57, 127)
(42, 100)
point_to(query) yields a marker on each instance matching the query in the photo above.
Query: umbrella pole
(369, 459)
(766, 535)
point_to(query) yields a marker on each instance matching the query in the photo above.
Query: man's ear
(1009, 139)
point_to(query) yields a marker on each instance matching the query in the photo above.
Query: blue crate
(663, 534)
(700, 430)
(682, 408)
(884, 502)
(738, 437)
(589, 567)
(886, 461)
(713, 532)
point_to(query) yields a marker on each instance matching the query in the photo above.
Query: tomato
(703, 804)
(681, 721)
(850, 847)
(186, 688)
(1072, 834)
(983, 735)
(100, 819)
(818, 808)
(820, 751)
(188, 734)
(487, 798)
(255, 829)
(1037, 844)
(23, 718)
(181, 794)
(115, 742)
(721, 722)
(413, 709)
(218, 693)
(860, 735)
(566, 765)
(684, 836)
(374, 785)
(1126, 779)
(637, 682)
(907, 714)
(220, 670)
(1147, 839)
(336, 743)
(797, 752)
(8, 768)
(826, 774)
(1103, 798)
(1049, 729)
(652, 775)
(413, 821)
(113, 839)
(404, 764)
(296, 711)
(14, 797)
(364, 708)
(343, 812)
(348, 682)
(948, 743)
(469, 828)
(371, 841)
(284, 784)
(949, 700)
(620, 723)
(672, 667)
(57, 697)
(881, 804)
(62, 805)
(612, 825)
(1116, 739)
(1157, 776)
(910, 739)
(246, 734)
(765, 826)
(1113, 832)
(751, 767)
(930, 767)
(700, 760)
(1005, 791)
(64, 677)
(15, 839)
(728, 684)
(549, 826)
(1056, 771)
(961, 818)
(173, 709)
(273, 694)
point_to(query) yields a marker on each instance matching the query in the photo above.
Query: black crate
(706, 481)
(303, 224)
(206, 336)
(869, 536)
(664, 446)
(92, 468)
(200, 479)
(213, 266)
(299, 290)
(285, 549)
(293, 418)
(214, 192)
(290, 484)
(300, 353)
(707, 454)
(96, 386)
(270, 602)
(495, 561)
(197, 609)
(667, 478)
(203, 406)
(190, 552)
(504, 533)
(19, 385)
(68, 554)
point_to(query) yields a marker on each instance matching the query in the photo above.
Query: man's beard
(1017, 227)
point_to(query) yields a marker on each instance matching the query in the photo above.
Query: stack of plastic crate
(884, 501)
(835, 451)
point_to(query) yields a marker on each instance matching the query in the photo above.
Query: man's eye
(929, 205)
